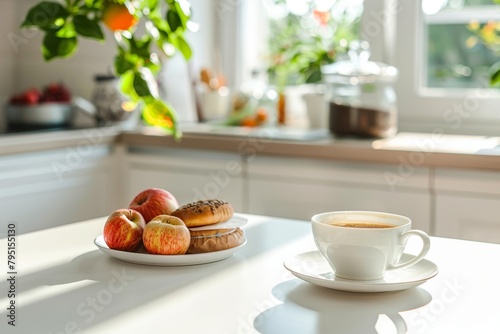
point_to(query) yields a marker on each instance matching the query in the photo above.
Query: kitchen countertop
(41, 140)
(417, 149)
(61, 283)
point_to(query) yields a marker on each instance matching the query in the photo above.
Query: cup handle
(423, 252)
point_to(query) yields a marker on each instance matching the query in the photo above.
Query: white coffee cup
(363, 245)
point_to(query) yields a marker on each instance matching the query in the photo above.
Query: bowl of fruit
(49, 107)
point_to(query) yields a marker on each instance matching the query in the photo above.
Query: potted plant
(304, 37)
(163, 25)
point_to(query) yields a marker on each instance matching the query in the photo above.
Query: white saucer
(313, 268)
(142, 257)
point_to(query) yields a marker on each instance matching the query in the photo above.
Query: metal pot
(46, 115)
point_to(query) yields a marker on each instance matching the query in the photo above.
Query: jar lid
(104, 77)
(358, 69)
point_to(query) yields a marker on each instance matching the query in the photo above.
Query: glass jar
(362, 99)
(111, 105)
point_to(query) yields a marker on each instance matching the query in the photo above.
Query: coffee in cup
(362, 224)
(363, 245)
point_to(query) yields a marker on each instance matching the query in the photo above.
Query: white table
(66, 285)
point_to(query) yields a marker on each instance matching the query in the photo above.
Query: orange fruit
(248, 121)
(117, 16)
(261, 115)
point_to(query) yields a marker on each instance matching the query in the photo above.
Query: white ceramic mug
(317, 110)
(363, 245)
(216, 104)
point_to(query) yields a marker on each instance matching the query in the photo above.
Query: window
(457, 34)
(444, 67)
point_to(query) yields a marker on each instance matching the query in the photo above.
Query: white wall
(7, 54)
(77, 72)
(176, 75)
(22, 65)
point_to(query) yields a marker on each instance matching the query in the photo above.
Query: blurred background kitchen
(428, 68)
(444, 50)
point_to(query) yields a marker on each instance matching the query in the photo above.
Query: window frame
(421, 109)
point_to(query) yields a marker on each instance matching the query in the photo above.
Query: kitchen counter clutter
(62, 283)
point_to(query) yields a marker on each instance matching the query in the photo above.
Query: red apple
(166, 235)
(154, 202)
(123, 230)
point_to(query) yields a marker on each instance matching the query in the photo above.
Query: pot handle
(84, 105)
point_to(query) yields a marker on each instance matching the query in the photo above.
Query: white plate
(233, 222)
(313, 268)
(142, 257)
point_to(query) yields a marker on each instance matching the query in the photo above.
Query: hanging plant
(137, 62)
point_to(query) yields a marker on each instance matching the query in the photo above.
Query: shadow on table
(95, 287)
(310, 309)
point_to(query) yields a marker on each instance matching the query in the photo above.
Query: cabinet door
(302, 201)
(471, 218)
(300, 188)
(37, 192)
(189, 175)
(468, 204)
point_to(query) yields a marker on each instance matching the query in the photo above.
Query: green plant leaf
(183, 11)
(163, 38)
(141, 87)
(67, 31)
(153, 63)
(495, 77)
(92, 3)
(156, 17)
(314, 77)
(123, 63)
(145, 84)
(173, 19)
(46, 16)
(140, 47)
(151, 5)
(127, 85)
(54, 46)
(88, 28)
(185, 48)
(182, 45)
(160, 114)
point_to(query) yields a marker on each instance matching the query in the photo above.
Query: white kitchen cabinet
(188, 174)
(468, 204)
(49, 188)
(300, 188)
